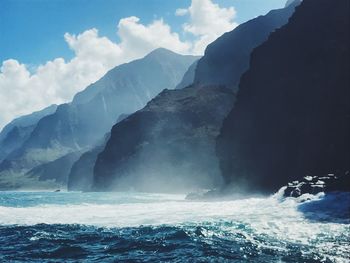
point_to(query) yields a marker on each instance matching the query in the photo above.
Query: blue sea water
(137, 227)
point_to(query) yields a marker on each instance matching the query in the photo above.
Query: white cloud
(138, 39)
(181, 12)
(56, 81)
(208, 21)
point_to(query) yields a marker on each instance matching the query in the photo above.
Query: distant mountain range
(83, 122)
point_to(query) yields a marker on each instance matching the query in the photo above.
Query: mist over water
(75, 226)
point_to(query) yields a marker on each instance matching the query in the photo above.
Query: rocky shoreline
(337, 182)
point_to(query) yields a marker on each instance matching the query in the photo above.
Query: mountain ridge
(77, 126)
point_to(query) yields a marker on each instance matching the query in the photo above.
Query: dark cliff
(292, 114)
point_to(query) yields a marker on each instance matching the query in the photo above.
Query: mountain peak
(161, 52)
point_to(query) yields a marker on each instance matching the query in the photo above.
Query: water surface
(137, 227)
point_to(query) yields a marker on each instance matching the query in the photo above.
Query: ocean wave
(125, 227)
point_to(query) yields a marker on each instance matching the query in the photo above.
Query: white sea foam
(264, 213)
(170, 211)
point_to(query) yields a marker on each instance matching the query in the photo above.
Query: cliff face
(227, 58)
(292, 115)
(168, 145)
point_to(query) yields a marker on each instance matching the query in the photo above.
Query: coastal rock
(339, 182)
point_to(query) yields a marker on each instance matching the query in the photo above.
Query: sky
(51, 49)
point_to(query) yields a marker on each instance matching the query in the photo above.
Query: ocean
(143, 227)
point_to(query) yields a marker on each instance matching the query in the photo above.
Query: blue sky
(52, 49)
(32, 30)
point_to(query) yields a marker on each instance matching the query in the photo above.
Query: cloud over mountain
(207, 22)
(23, 90)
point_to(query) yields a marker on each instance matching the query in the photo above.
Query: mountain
(292, 114)
(122, 90)
(190, 164)
(19, 130)
(135, 80)
(81, 174)
(227, 58)
(168, 145)
(27, 120)
(82, 123)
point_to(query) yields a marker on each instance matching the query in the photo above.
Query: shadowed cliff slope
(292, 115)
